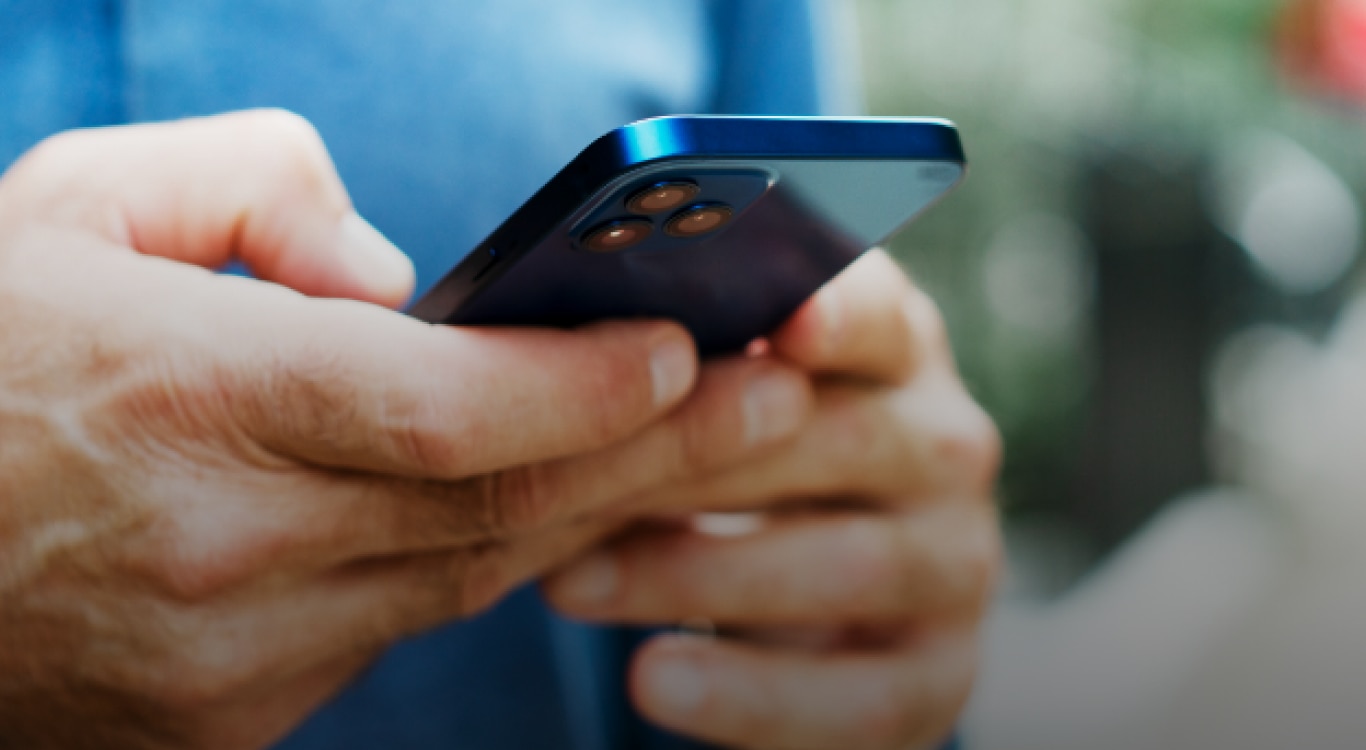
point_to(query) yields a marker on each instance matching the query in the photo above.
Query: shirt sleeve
(785, 57)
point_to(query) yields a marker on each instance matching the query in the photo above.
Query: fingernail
(678, 687)
(672, 366)
(773, 407)
(592, 582)
(373, 258)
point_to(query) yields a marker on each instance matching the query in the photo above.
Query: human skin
(849, 612)
(221, 497)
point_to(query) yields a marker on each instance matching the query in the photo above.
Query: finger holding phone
(240, 494)
(850, 615)
(221, 498)
(848, 609)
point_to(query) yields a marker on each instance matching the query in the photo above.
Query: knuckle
(282, 128)
(606, 422)
(292, 149)
(41, 180)
(189, 579)
(969, 447)
(614, 395)
(616, 399)
(439, 514)
(189, 565)
(50, 152)
(878, 559)
(312, 396)
(693, 446)
(307, 395)
(193, 547)
(429, 449)
(518, 500)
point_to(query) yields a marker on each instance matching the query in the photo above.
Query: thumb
(256, 187)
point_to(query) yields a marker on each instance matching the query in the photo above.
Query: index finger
(255, 186)
(869, 322)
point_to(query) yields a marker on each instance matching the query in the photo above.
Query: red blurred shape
(1321, 45)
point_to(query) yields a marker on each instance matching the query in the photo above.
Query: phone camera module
(661, 197)
(615, 236)
(699, 220)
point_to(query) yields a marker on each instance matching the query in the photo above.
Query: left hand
(849, 613)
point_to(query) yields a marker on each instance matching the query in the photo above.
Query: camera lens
(699, 220)
(664, 196)
(616, 236)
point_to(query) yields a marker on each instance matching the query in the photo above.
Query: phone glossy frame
(838, 186)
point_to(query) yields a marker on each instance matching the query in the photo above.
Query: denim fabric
(442, 117)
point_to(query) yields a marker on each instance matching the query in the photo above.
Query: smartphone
(724, 224)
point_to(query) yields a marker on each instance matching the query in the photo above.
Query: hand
(219, 498)
(850, 609)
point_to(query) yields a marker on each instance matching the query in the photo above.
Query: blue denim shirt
(442, 117)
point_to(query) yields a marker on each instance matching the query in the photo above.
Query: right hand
(220, 498)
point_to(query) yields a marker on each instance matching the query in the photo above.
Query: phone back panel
(810, 196)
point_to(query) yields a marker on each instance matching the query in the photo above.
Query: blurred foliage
(1220, 27)
(1038, 87)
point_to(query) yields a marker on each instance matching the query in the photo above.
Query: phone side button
(493, 256)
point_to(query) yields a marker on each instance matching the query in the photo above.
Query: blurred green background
(1087, 269)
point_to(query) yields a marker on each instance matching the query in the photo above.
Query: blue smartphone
(724, 224)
